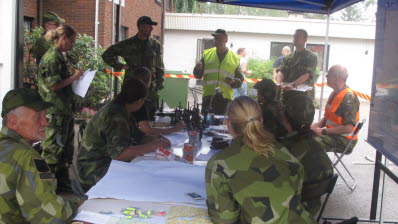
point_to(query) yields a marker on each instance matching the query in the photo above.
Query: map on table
(180, 214)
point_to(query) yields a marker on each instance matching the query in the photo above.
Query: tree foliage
(260, 68)
(357, 12)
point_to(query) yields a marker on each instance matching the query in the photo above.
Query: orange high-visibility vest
(333, 120)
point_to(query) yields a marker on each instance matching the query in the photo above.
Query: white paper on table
(92, 217)
(218, 127)
(80, 86)
(177, 139)
(151, 180)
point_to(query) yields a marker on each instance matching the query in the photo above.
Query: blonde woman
(55, 87)
(255, 180)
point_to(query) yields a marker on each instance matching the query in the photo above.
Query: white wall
(180, 52)
(7, 26)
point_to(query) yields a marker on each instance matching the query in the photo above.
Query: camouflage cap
(300, 109)
(52, 16)
(266, 87)
(23, 97)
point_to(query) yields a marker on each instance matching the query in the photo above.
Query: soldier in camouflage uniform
(301, 144)
(27, 187)
(297, 68)
(139, 51)
(254, 180)
(113, 134)
(272, 109)
(341, 113)
(55, 87)
(51, 21)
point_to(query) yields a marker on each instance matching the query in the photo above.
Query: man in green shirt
(27, 186)
(297, 68)
(141, 50)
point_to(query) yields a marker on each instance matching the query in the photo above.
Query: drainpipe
(163, 17)
(96, 25)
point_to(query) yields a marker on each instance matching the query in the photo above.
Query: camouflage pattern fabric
(295, 65)
(110, 131)
(316, 163)
(52, 70)
(58, 144)
(139, 53)
(347, 110)
(27, 187)
(244, 187)
(40, 47)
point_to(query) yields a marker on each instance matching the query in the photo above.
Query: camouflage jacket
(136, 53)
(27, 187)
(110, 131)
(40, 47)
(316, 163)
(245, 187)
(52, 70)
(297, 64)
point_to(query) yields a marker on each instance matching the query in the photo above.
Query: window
(276, 48)
(168, 4)
(319, 50)
(123, 33)
(27, 22)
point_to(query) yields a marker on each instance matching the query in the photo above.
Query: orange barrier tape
(179, 76)
(114, 73)
(387, 86)
(356, 93)
(249, 80)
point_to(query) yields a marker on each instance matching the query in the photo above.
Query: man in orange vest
(341, 113)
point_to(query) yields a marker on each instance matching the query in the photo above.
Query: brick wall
(31, 8)
(80, 14)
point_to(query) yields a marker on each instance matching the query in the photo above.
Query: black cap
(146, 20)
(220, 32)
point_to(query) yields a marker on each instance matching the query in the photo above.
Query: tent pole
(325, 57)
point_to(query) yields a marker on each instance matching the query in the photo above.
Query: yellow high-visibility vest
(214, 72)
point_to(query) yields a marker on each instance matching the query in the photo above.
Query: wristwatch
(294, 84)
(324, 131)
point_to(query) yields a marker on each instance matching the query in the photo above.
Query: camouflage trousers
(335, 143)
(58, 148)
(218, 105)
(286, 95)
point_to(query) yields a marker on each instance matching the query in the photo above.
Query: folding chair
(316, 190)
(340, 157)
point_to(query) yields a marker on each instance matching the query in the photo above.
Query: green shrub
(260, 68)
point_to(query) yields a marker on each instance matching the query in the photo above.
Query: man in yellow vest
(341, 113)
(221, 73)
